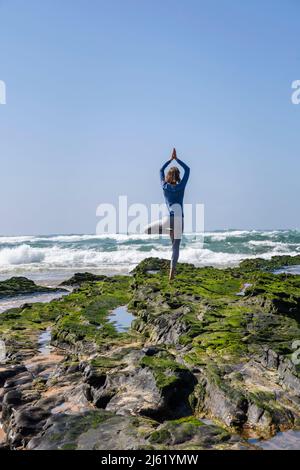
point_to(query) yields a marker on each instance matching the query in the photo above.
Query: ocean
(50, 259)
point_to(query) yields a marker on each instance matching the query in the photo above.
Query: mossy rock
(276, 262)
(22, 286)
(80, 278)
(202, 332)
(165, 369)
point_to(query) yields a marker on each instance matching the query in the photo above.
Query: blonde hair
(173, 175)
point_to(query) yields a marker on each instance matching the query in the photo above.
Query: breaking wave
(119, 252)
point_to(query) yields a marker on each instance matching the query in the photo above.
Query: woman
(173, 188)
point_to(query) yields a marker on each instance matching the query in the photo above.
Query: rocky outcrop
(276, 262)
(238, 347)
(80, 278)
(153, 385)
(196, 351)
(102, 430)
(23, 286)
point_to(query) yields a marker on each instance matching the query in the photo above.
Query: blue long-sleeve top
(174, 193)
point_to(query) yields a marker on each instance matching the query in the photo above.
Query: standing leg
(175, 234)
(175, 256)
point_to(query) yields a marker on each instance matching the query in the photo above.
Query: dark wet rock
(22, 286)
(28, 421)
(151, 264)
(288, 373)
(17, 391)
(94, 372)
(151, 350)
(155, 386)
(4, 446)
(18, 380)
(25, 411)
(90, 431)
(276, 262)
(10, 371)
(102, 430)
(215, 396)
(190, 432)
(12, 398)
(80, 278)
(165, 329)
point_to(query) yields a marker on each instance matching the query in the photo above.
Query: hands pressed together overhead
(174, 154)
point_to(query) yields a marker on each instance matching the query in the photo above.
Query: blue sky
(98, 93)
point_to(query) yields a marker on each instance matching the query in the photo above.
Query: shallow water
(152, 271)
(288, 270)
(288, 440)
(44, 342)
(18, 301)
(121, 318)
(54, 277)
(243, 290)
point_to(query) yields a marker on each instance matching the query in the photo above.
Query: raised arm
(162, 171)
(186, 171)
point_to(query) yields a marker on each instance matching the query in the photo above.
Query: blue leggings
(175, 252)
(167, 225)
(175, 244)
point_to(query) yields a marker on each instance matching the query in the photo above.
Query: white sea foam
(56, 257)
(220, 236)
(23, 254)
(118, 237)
(215, 236)
(280, 246)
(119, 252)
(14, 240)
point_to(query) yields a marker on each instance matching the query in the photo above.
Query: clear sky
(99, 91)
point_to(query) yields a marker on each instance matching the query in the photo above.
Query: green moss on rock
(164, 367)
(22, 286)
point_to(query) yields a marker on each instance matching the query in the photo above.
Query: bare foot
(172, 274)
